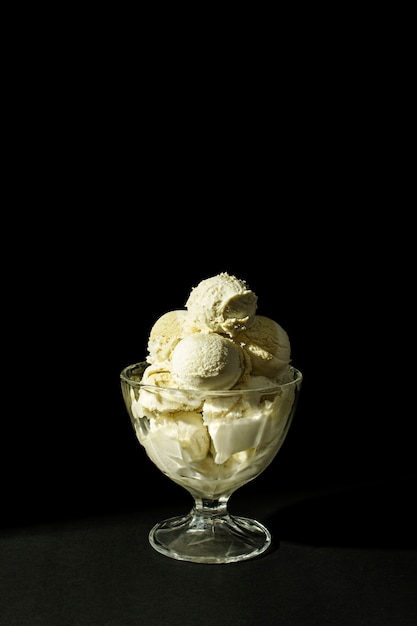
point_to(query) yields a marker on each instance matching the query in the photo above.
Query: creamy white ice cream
(211, 407)
(268, 347)
(167, 331)
(207, 361)
(222, 304)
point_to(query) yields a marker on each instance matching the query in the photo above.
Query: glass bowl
(210, 443)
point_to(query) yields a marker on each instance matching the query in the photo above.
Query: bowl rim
(126, 377)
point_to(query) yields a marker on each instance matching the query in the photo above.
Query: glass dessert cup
(210, 443)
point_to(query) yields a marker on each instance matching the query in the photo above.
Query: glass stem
(211, 508)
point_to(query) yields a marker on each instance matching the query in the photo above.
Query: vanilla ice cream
(167, 331)
(222, 304)
(268, 346)
(217, 390)
(207, 361)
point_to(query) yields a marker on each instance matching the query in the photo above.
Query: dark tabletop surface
(340, 557)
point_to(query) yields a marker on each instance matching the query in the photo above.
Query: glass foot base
(199, 539)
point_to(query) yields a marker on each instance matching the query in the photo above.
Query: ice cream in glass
(211, 404)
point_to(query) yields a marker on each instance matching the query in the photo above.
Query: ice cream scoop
(222, 304)
(207, 361)
(167, 331)
(268, 347)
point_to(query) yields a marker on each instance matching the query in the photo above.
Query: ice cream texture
(215, 395)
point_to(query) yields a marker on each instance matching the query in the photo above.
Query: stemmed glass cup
(210, 443)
